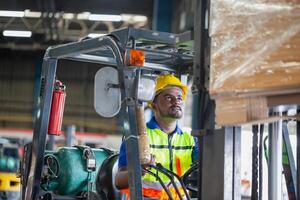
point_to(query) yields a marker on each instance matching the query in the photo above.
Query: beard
(175, 112)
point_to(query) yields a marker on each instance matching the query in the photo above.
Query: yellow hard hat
(169, 80)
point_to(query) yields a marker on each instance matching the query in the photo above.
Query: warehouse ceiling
(49, 22)
(53, 22)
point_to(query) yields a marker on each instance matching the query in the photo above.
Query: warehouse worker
(172, 147)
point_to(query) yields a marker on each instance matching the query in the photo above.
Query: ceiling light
(134, 18)
(94, 35)
(83, 16)
(31, 14)
(111, 18)
(139, 18)
(9, 13)
(13, 33)
(126, 17)
(68, 16)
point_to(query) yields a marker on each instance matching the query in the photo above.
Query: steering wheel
(190, 178)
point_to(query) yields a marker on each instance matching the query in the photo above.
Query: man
(173, 148)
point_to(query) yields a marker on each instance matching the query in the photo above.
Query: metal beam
(291, 161)
(97, 6)
(131, 133)
(162, 15)
(70, 135)
(221, 169)
(54, 28)
(275, 161)
(40, 131)
(236, 163)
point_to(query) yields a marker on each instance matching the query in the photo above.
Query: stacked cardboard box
(255, 54)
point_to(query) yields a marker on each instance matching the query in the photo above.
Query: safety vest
(174, 152)
(155, 194)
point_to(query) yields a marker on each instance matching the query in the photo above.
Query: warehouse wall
(19, 78)
(17, 71)
(79, 110)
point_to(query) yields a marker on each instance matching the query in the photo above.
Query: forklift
(133, 58)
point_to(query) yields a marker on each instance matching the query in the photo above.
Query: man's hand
(121, 180)
(146, 165)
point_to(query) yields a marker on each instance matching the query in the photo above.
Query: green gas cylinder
(66, 170)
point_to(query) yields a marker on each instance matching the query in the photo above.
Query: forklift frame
(163, 52)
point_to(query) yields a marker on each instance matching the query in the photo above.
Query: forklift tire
(105, 180)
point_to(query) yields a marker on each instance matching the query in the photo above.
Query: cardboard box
(255, 47)
(251, 110)
(236, 110)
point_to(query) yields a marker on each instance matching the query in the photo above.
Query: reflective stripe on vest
(156, 194)
(174, 153)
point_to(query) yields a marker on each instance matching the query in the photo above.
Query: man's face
(169, 103)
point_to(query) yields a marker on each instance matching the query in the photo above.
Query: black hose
(178, 178)
(162, 170)
(160, 181)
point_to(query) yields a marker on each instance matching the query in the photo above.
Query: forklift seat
(105, 180)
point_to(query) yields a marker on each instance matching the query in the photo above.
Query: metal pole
(131, 134)
(203, 111)
(237, 163)
(221, 165)
(51, 142)
(70, 135)
(290, 170)
(40, 131)
(275, 161)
